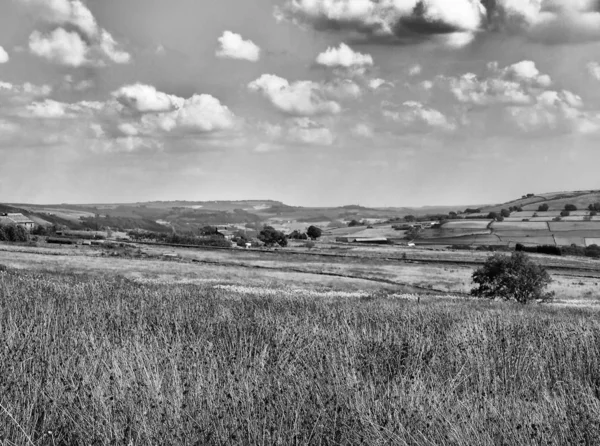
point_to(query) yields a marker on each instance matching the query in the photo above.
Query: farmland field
(592, 241)
(574, 226)
(165, 352)
(519, 226)
(533, 240)
(467, 224)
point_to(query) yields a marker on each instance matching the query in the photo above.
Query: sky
(309, 102)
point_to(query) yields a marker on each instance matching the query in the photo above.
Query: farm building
(374, 240)
(226, 234)
(16, 219)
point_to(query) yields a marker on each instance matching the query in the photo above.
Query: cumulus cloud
(3, 56)
(297, 131)
(155, 112)
(14, 95)
(455, 23)
(233, 46)
(145, 98)
(555, 110)
(309, 132)
(514, 84)
(417, 116)
(344, 56)
(301, 98)
(60, 46)
(77, 39)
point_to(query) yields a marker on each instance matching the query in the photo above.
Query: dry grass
(108, 361)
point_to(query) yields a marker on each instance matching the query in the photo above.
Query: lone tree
(512, 278)
(313, 232)
(270, 236)
(543, 207)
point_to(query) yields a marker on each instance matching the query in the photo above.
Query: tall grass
(95, 362)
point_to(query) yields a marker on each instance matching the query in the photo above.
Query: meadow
(106, 360)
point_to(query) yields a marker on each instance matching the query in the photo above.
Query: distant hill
(556, 201)
(166, 216)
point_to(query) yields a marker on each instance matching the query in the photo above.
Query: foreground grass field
(108, 361)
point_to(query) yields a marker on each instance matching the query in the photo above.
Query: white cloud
(415, 70)
(514, 84)
(202, 113)
(343, 56)
(417, 116)
(342, 89)
(553, 110)
(303, 98)
(233, 46)
(64, 12)
(306, 131)
(594, 70)
(48, 109)
(60, 46)
(296, 131)
(362, 130)
(109, 47)
(77, 38)
(3, 56)
(162, 113)
(145, 98)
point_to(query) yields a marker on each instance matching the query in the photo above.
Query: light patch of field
(519, 226)
(482, 239)
(575, 226)
(568, 241)
(341, 232)
(547, 240)
(466, 224)
(574, 218)
(67, 214)
(592, 241)
(522, 214)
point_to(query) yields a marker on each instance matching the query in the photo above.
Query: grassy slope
(112, 362)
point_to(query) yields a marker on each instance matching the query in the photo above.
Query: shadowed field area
(90, 360)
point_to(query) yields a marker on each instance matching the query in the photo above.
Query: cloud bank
(455, 23)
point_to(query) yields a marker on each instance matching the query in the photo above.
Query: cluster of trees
(13, 233)
(179, 239)
(573, 250)
(594, 208)
(271, 237)
(499, 216)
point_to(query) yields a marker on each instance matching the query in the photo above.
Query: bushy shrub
(270, 236)
(512, 278)
(313, 232)
(13, 233)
